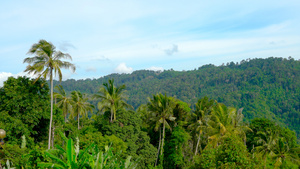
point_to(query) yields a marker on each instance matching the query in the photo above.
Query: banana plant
(92, 157)
(69, 158)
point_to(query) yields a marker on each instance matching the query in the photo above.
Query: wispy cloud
(91, 69)
(65, 46)
(101, 58)
(171, 50)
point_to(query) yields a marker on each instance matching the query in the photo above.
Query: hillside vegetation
(263, 87)
(151, 120)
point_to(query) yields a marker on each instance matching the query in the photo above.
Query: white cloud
(5, 75)
(122, 68)
(157, 69)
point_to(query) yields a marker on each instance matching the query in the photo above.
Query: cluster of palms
(210, 120)
(276, 147)
(77, 105)
(47, 62)
(209, 124)
(74, 106)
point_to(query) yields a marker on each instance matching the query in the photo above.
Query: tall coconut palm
(111, 98)
(81, 106)
(161, 109)
(64, 102)
(46, 62)
(200, 118)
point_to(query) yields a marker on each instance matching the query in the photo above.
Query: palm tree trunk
(265, 162)
(53, 131)
(78, 118)
(114, 109)
(198, 141)
(63, 142)
(111, 115)
(163, 139)
(158, 146)
(51, 108)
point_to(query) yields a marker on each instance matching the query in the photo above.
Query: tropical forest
(235, 115)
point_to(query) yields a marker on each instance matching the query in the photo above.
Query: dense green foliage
(164, 132)
(266, 88)
(24, 109)
(175, 146)
(128, 127)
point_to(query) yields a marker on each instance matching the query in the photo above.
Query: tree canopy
(165, 132)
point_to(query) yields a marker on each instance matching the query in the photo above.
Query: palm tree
(64, 102)
(46, 62)
(81, 106)
(111, 98)
(161, 109)
(283, 152)
(200, 118)
(220, 123)
(239, 126)
(267, 143)
(226, 120)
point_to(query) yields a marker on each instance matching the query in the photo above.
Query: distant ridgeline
(263, 87)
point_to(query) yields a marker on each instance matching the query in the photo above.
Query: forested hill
(263, 87)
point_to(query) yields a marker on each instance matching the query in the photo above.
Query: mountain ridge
(263, 87)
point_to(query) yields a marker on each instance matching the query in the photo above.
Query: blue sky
(121, 36)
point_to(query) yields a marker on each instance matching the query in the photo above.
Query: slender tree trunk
(158, 146)
(78, 119)
(198, 141)
(111, 115)
(115, 116)
(163, 139)
(63, 142)
(51, 108)
(265, 162)
(53, 131)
